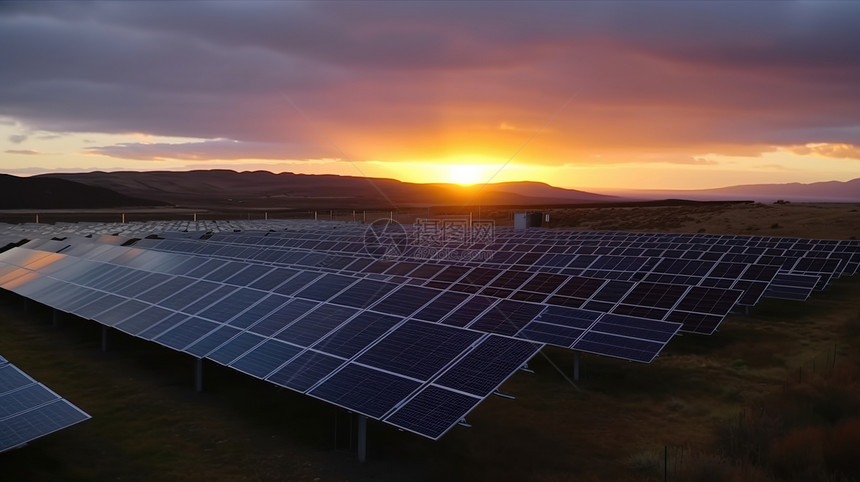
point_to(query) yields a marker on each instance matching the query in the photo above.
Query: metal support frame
(104, 338)
(576, 366)
(57, 317)
(198, 375)
(362, 437)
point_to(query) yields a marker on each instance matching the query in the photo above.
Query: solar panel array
(30, 410)
(419, 340)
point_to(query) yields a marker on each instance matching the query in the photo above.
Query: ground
(615, 424)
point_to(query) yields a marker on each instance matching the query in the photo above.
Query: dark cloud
(388, 77)
(18, 138)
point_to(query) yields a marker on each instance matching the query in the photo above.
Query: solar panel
(30, 410)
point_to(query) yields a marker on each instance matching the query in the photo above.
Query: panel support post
(198, 375)
(104, 338)
(576, 366)
(57, 317)
(362, 438)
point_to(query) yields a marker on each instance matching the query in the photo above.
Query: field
(771, 396)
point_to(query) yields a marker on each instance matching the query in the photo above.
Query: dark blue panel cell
(406, 300)
(224, 309)
(653, 330)
(417, 349)
(30, 425)
(11, 378)
(248, 275)
(489, 364)
(696, 322)
(442, 306)
(325, 287)
(145, 283)
(144, 320)
(297, 282)
(507, 317)
(562, 336)
(189, 295)
(709, 300)
(30, 396)
(570, 317)
(357, 334)
(465, 314)
(163, 325)
(427, 271)
(315, 325)
(305, 370)
(205, 268)
(618, 347)
(185, 333)
(433, 411)
(226, 270)
(365, 390)
(655, 295)
(266, 358)
(235, 348)
(164, 290)
(121, 311)
(273, 321)
(363, 293)
(99, 305)
(211, 341)
(274, 278)
(451, 274)
(216, 296)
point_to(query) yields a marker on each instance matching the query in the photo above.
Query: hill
(263, 189)
(57, 193)
(829, 191)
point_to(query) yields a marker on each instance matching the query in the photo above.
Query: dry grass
(149, 424)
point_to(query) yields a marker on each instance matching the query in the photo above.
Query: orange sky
(582, 95)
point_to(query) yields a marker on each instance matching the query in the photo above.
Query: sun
(466, 174)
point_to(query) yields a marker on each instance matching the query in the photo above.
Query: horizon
(608, 96)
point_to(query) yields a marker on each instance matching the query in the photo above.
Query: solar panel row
(30, 410)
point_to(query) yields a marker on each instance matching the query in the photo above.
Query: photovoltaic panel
(507, 317)
(144, 320)
(315, 325)
(417, 349)
(365, 390)
(266, 358)
(442, 306)
(185, 333)
(234, 348)
(30, 410)
(305, 370)
(405, 300)
(356, 334)
(483, 369)
(461, 316)
(433, 411)
(271, 322)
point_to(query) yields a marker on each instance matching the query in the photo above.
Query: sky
(583, 95)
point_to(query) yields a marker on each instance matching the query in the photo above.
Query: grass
(149, 424)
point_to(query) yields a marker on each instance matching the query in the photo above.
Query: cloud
(220, 149)
(409, 80)
(28, 152)
(834, 151)
(18, 138)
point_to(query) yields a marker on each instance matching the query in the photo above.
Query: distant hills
(225, 189)
(263, 189)
(53, 193)
(830, 191)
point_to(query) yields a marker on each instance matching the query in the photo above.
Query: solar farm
(397, 324)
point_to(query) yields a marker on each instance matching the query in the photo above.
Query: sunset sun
(466, 174)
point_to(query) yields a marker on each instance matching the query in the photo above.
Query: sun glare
(466, 174)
